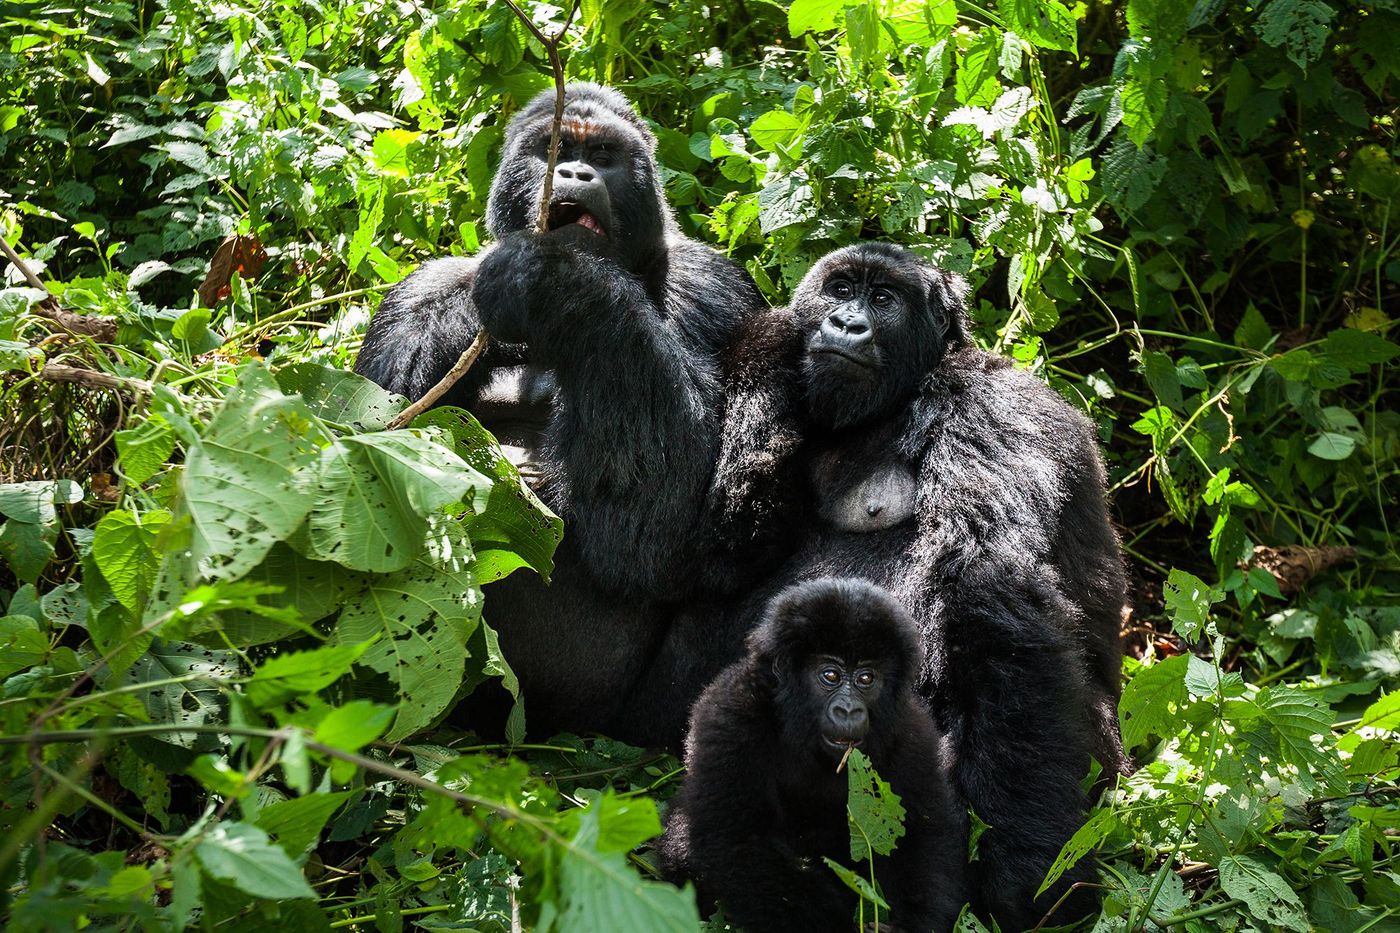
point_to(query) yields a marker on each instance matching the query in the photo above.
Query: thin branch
(53, 372)
(458, 370)
(80, 324)
(471, 353)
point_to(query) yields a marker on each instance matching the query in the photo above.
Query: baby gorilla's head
(842, 653)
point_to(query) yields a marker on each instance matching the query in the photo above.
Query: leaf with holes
(873, 810)
(246, 483)
(374, 494)
(423, 616)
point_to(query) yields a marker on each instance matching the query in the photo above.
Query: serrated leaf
(142, 450)
(1152, 701)
(1266, 895)
(1188, 601)
(599, 892)
(22, 645)
(1084, 841)
(244, 857)
(1299, 27)
(873, 810)
(353, 726)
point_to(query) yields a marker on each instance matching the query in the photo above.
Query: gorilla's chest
(861, 495)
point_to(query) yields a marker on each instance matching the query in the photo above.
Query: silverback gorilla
(832, 665)
(605, 368)
(975, 495)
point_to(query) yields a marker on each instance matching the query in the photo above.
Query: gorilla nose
(848, 716)
(575, 171)
(847, 328)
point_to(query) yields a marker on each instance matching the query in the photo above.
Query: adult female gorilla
(975, 495)
(610, 327)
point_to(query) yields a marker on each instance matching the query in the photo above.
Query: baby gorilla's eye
(840, 289)
(865, 678)
(830, 676)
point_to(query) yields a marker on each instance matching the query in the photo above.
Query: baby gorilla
(763, 803)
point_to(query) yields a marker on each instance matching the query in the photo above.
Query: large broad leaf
(297, 822)
(513, 528)
(600, 892)
(422, 616)
(341, 397)
(190, 703)
(246, 484)
(1267, 896)
(374, 494)
(313, 589)
(243, 856)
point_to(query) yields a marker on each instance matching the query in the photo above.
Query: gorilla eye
(840, 289)
(830, 676)
(882, 297)
(602, 158)
(865, 678)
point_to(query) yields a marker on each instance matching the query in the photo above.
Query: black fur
(762, 802)
(975, 495)
(606, 371)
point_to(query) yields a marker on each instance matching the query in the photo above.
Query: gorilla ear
(947, 299)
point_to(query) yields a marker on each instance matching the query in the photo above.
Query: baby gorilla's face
(843, 693)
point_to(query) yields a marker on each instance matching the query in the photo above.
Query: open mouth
(839, 745)
(563, 213)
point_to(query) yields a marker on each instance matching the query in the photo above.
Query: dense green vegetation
(234, 609)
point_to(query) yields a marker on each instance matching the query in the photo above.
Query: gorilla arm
(1009, 686)
(637, 427)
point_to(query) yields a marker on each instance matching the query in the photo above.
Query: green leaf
(813, 15)
(341, 397)
(293, 673)
(1085, 840)
(856, 883)
(123, 545)
(390, 152)
(1358, 350)
(1267, 896)
(515, 525)
(373, 496)
(22, 644)
(244, 857)
(775, 130)
(246, 485)
(1188, 601)
(1046, 23)
(142, 450)
(1299, 27)
(353, 726)
(423, 616)
(1332, 446)
(873, 810)
(296, 823)
(599, 892)
(1152, 701)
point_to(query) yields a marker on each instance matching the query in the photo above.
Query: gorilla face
(840, 651)
(605, 180)
(877, 320)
